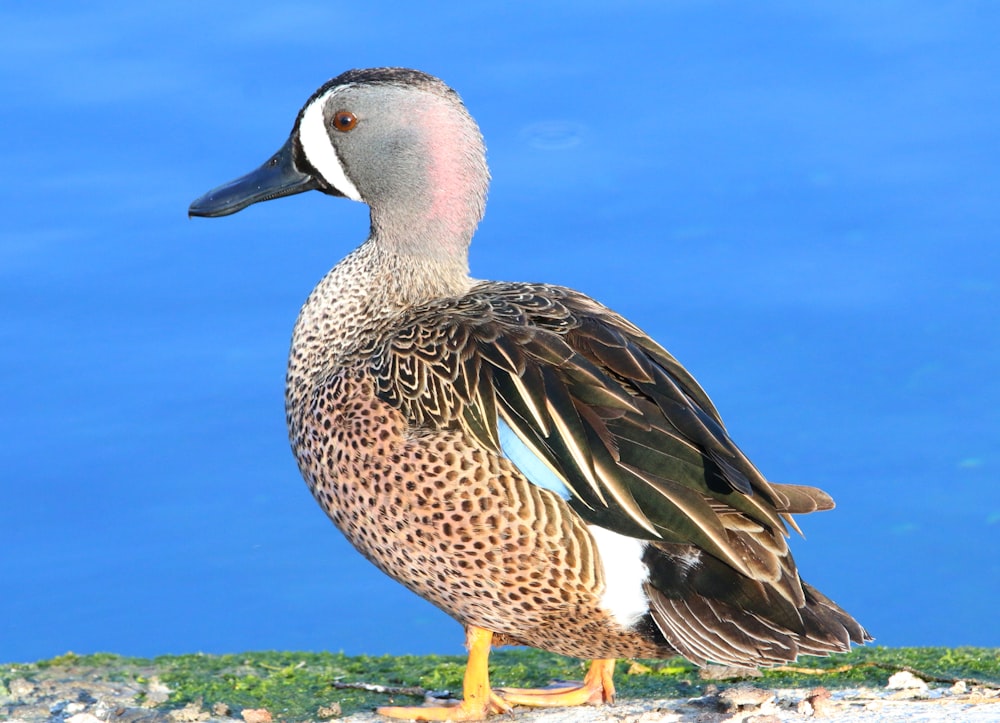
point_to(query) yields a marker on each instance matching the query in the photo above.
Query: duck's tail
(710, 613)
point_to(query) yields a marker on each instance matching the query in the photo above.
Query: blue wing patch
(534, 469)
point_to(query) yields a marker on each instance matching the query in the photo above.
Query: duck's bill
(276, 178)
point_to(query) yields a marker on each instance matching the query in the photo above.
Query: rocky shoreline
(100, 694)
(912, 701)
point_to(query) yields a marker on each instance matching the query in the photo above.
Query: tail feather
(710, 613)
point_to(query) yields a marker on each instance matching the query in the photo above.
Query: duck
(518, 454)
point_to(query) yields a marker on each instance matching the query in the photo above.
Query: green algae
(293, 686)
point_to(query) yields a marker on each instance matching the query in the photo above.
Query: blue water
(800, 200)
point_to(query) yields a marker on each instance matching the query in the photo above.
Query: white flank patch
(624, 574)
(319, 148)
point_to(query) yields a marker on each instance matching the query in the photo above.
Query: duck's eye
(344, 120)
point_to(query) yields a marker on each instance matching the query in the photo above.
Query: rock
(743, 697)
(727, 672)
(136, 715)
(907, 686)
(221, 710)
(326, 712)
(818, 703)
(960, 688)
(21, 689)
(256, 715)
(156, 692)
(659, 715)
(905, 680)
(190, 713)
(84, 718)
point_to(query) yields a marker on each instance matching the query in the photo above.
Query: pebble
(20, 688)
(84, 718)
(329, 711)
(905, 680)
(156, 692)
(819, 703)
(744, 696)
(654, 716)
(189, 714)
(256, 715)
(727, 672)
(136, 715)
(221, 710)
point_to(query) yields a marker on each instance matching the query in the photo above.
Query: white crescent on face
(318, 147)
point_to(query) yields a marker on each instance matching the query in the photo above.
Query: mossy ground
(294, 685)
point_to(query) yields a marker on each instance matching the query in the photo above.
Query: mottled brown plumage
(405, 373)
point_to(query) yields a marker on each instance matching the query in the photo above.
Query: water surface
(799, 201)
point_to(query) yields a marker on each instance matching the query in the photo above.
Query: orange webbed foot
(598, 687)
(478, 700)
(464, 710)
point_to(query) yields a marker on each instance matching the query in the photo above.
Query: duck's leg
(597, 687)
(478, 700)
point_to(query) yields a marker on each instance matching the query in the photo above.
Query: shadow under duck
(516, 453)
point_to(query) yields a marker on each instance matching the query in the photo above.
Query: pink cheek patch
(447, 168)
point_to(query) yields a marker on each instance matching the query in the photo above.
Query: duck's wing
(589, 406)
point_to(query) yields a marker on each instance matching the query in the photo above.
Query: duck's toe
(468, 709)
(597, 687)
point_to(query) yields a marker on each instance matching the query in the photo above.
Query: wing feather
(639, 445)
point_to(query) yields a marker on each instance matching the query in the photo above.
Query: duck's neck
(431, 194)
(362, 293)
(424, 209)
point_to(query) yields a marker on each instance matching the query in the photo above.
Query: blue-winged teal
(518, 454)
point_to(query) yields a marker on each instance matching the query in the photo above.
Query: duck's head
(396, 139)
